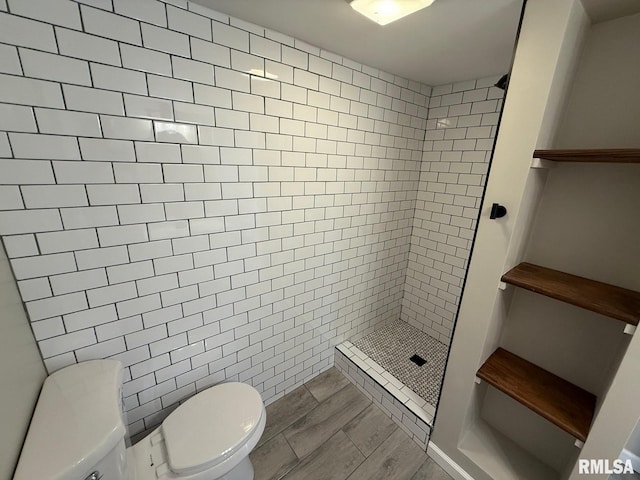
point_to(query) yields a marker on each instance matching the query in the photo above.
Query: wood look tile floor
(626, 476)
(328, 430)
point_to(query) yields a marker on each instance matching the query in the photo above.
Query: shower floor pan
(385, 364)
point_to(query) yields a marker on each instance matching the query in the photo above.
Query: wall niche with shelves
(575, 321)
(585, 227)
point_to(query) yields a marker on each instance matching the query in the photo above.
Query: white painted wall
(575, 218)
(21, 370)
(605, 99)
(597, 206)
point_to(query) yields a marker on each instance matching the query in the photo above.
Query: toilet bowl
(78, 432)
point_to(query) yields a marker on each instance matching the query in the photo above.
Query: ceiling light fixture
(384, 12)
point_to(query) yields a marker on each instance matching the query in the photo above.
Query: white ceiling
(450, 41)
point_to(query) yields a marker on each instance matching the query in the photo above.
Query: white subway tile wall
(201, 198)
(461, 128)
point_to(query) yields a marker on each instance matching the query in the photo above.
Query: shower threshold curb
(406, 408)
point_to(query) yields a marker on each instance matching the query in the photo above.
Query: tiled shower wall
(462, 124)
(198, 197)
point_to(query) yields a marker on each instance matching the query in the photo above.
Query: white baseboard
(447, 464)
(635, 459)
(458, 473)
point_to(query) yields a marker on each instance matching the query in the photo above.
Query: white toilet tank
(77, 427)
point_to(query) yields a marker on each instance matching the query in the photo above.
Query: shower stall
(399, 362)
(208, 200)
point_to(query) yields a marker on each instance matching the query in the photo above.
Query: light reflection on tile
(175, 133)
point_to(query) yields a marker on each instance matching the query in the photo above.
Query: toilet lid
(211, 426)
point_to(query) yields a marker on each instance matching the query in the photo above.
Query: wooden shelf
(565, 405)
(609, 300)
(618, 155)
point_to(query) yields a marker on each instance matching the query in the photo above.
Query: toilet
(77, 432)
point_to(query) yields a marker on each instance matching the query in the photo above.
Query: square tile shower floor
(392, 346)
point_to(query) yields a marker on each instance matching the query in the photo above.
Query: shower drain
(418, 360)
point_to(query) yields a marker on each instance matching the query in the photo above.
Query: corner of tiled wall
(201, 198)
(461, 128)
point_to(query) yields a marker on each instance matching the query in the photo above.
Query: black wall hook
(497, 211)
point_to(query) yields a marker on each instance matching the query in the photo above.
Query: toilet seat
(211, 427)
(77, 431)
